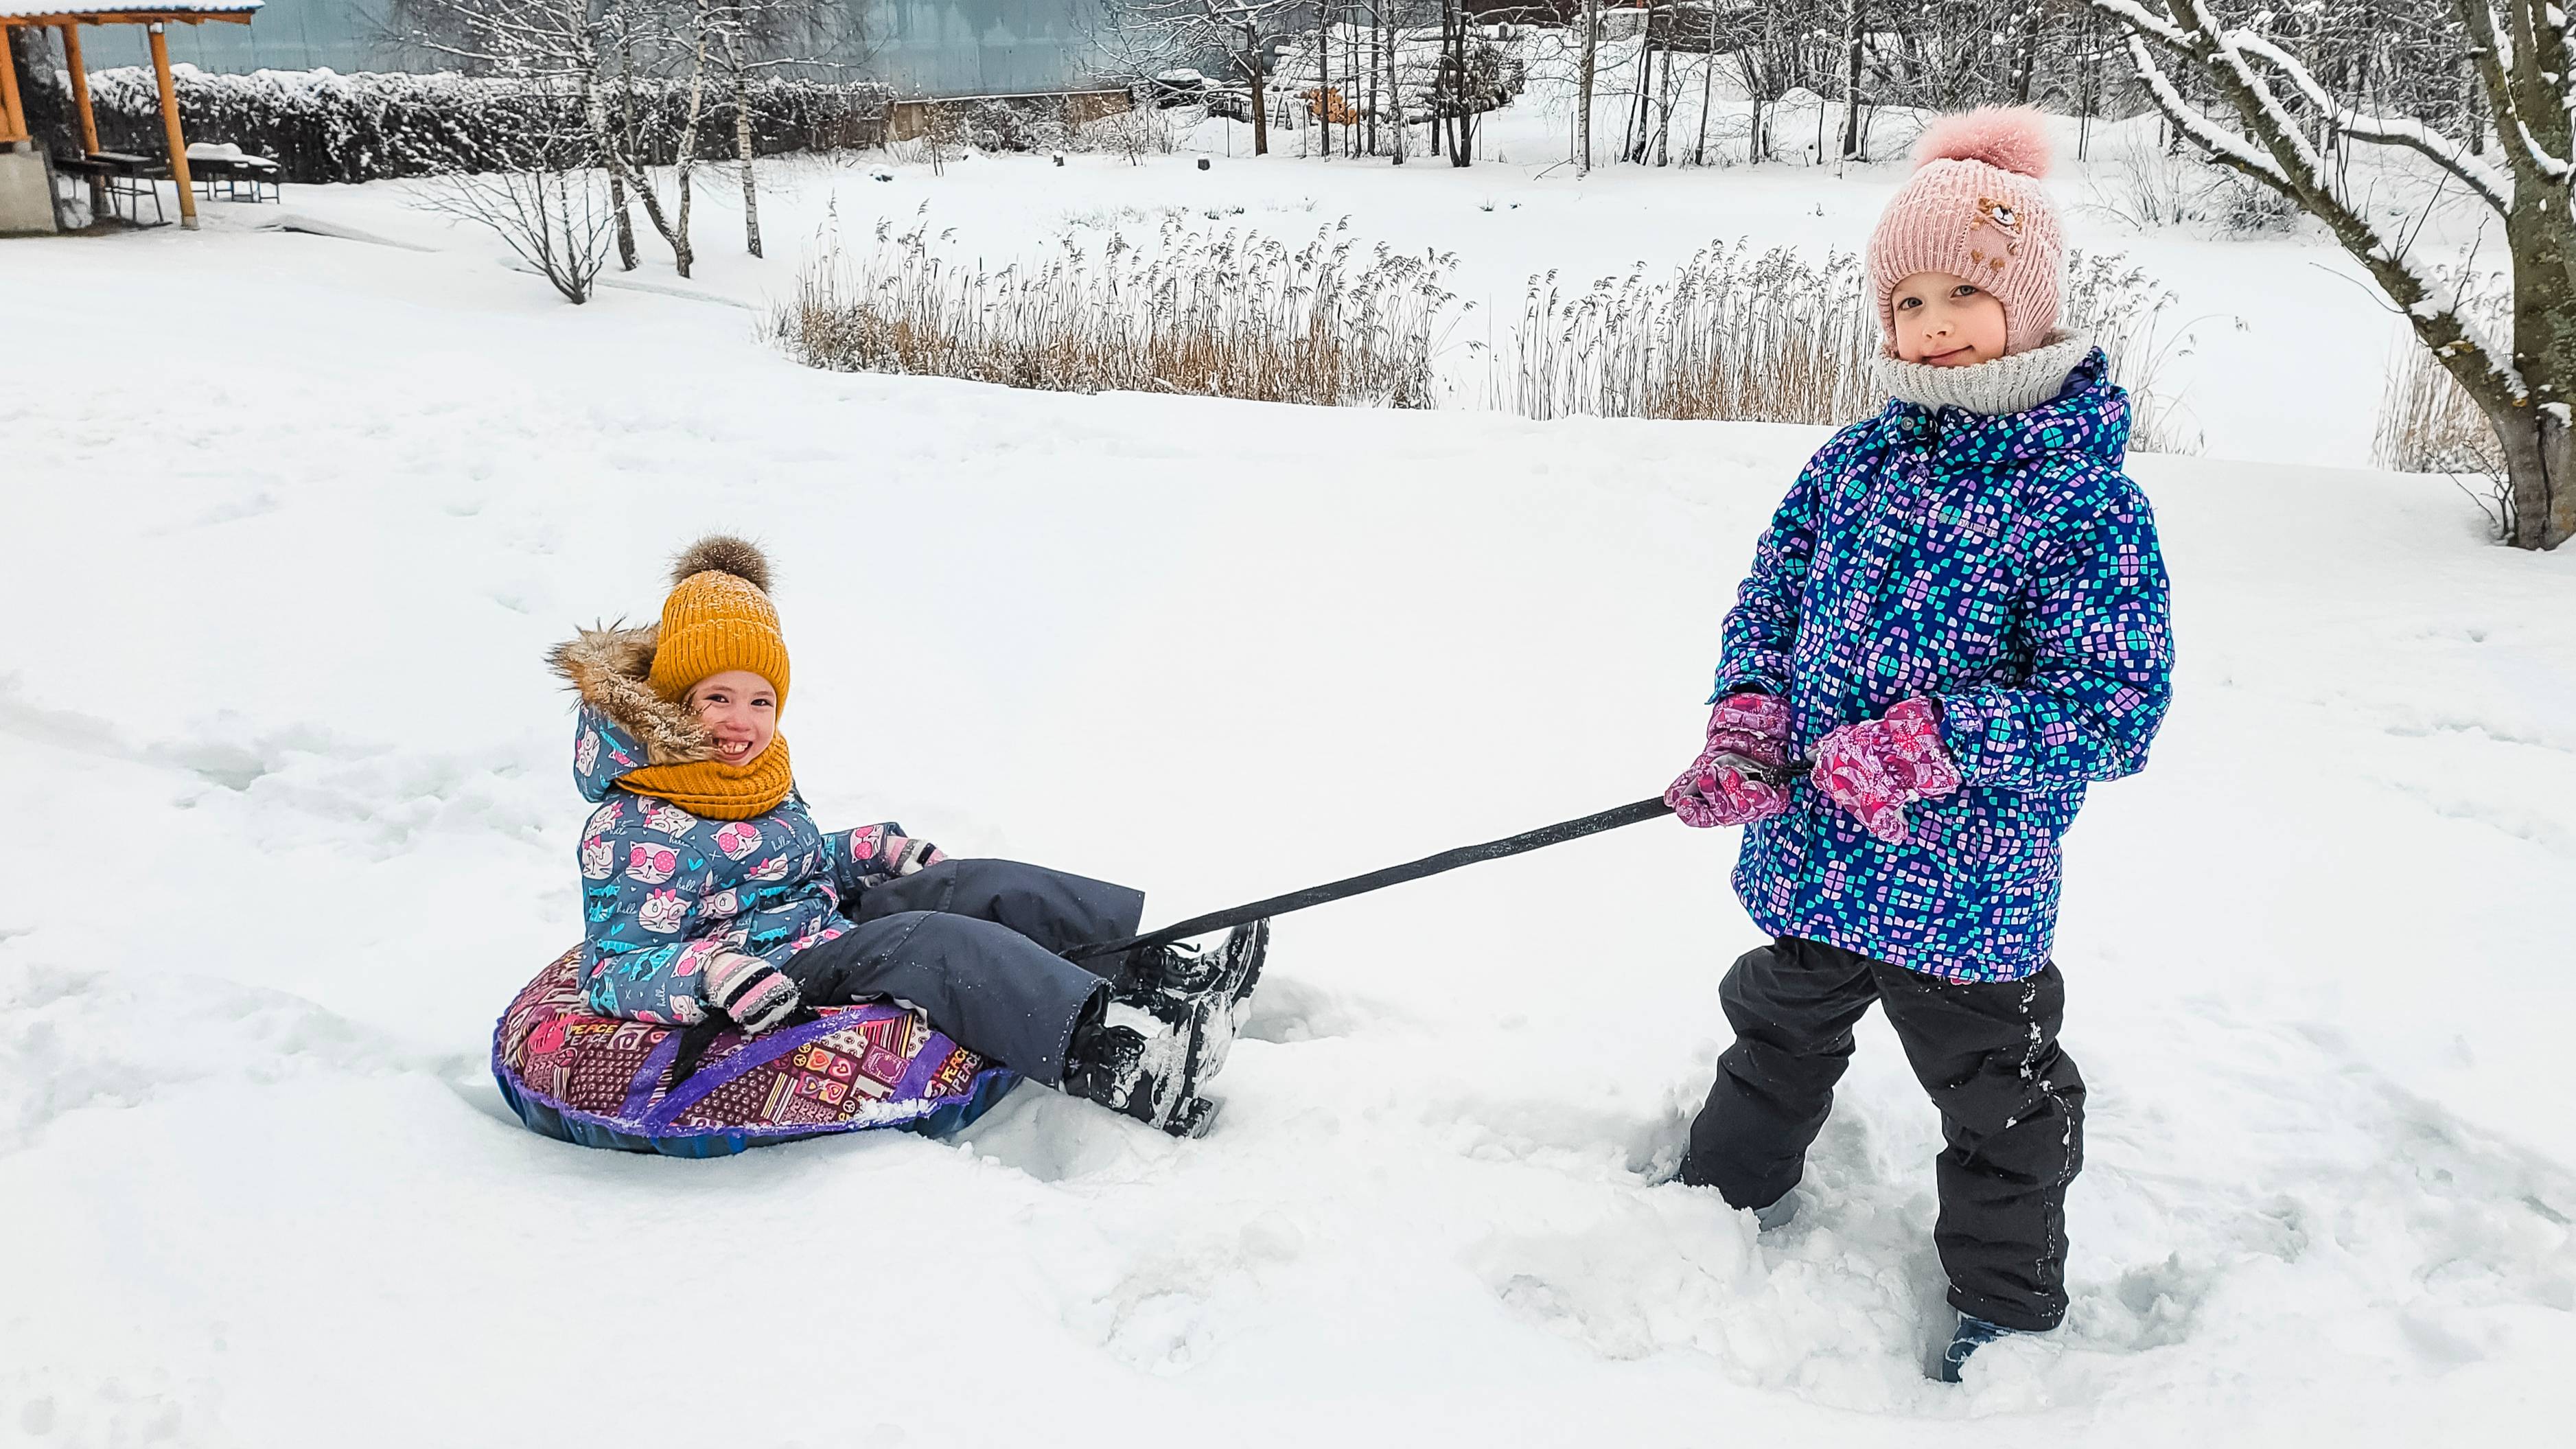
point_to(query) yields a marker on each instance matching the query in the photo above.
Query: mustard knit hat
(1975, 208)
(718, 617)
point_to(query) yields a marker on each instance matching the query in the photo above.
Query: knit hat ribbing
(1975, 208)
(718, 617)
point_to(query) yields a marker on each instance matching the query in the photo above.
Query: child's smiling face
(740, 711)
(1946, 321)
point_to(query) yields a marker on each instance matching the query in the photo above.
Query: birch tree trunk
(684, 256)
(1664, 111)
(626, 125)
(742, 133)
(1591, 70)
(613, 144)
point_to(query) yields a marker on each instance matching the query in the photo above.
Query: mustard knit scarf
(719, 791)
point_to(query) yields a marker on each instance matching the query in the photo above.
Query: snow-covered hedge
(320, 125)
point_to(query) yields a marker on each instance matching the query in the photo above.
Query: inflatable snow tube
(601, 1082)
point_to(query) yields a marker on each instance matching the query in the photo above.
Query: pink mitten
(1754, 727)
(1876, 768)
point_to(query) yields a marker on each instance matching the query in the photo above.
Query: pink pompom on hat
(1975, 208)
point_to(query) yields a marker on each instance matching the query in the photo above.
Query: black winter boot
(1181, 971)
(1220, 1006)
(1972, 1333)
(1134, 1058)
(1106, 1064)
(1167, 1041)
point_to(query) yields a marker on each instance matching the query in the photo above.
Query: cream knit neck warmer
(2011, 384)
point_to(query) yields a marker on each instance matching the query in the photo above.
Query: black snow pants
(2012, 1107)
(973, 943)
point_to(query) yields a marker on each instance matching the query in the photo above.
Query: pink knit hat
(1975, 208)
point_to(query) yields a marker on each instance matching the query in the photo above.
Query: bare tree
(553, 215)
(2270, 117)
(614, 70)
(1146, 36)
(558, 47)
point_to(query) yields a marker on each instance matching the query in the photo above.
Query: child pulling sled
(1959, 614)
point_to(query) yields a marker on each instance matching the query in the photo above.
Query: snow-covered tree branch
(2245, 94)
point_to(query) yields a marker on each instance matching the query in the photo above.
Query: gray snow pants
(973, 943)
(2012, 1107)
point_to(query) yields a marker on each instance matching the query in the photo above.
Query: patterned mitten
(1755, 727)
(751, 991)
(902, 855)
(1876, 768)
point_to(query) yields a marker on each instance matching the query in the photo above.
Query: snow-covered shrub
(1135, 133)
(993, 125)
(2151, 184)
(942, 138)
(1228, 314)
(321, 126)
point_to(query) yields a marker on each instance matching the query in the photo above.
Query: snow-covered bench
(222, 171)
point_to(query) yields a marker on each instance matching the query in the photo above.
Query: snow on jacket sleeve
(1762, 628)
(641, 903)
(875, 854)
(2101, 646)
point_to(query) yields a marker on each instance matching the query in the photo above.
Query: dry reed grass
(1734, 334)
(2429, 424)
(1774, 338)
(2123, 310)
(1231, 314)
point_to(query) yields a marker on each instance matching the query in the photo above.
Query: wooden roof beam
(131, 17)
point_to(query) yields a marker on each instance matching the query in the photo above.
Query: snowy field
(293, 820)
(2274, 345)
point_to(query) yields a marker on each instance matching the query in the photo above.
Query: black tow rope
(1447, 860)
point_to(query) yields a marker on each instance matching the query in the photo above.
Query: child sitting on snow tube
(708, 892)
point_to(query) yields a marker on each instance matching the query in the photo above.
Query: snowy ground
(293, 821)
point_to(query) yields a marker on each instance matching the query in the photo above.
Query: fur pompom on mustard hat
(1975, 208)
(718, 617)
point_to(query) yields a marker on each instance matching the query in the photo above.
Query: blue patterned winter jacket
(2006, 567)
(663, 890)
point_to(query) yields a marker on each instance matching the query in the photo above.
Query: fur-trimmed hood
(609, 667)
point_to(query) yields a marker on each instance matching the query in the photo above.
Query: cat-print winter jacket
(664, 890)
(2005, 567)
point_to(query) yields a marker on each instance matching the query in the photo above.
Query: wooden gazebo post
(80, 87)
(170, 127)
(13, 119)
